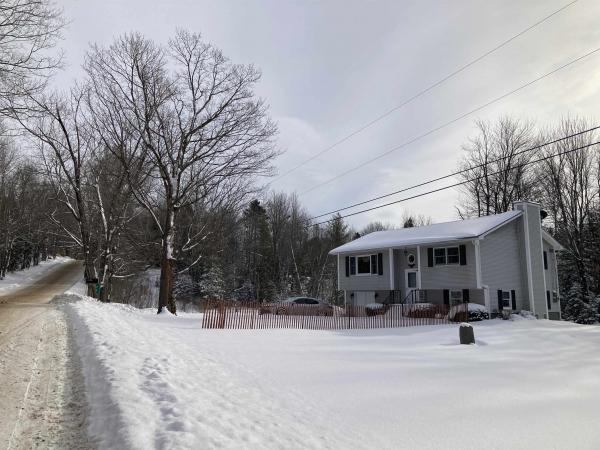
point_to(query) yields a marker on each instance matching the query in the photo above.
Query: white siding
(451, 276)
(365, 282)
(503, 263)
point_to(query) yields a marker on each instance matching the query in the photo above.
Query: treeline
(563, 176)
(153, 159)
(25, 200)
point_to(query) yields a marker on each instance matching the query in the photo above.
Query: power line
(450, 122)
(460, 172)
(421, 93)
(451, 186)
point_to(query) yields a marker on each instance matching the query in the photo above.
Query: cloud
(330, 67)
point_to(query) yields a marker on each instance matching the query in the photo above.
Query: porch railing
(398, 297)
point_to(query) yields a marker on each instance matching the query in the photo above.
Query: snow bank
(151, 384)
(163, 382)
(16, 280)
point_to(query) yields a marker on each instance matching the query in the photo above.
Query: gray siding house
(504, 262)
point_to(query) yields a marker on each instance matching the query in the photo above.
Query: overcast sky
(330, 67)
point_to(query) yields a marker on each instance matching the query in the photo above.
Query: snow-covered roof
(438, 232)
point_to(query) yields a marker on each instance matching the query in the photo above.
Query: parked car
(301, 306)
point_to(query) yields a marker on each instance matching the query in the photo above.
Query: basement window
(506, 300)
(456, 296)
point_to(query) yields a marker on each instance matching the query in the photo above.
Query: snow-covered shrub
(375, 309)
(184, 287)
(476, 313)
(423, 311)
(523, 315)
(580, 307)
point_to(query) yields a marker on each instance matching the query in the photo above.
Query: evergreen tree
(337, 233)
(258, 256)
(408, 223)
(212, 283)
(579, 306)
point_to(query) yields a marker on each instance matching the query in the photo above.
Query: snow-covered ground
(16, 280)
(163, 382)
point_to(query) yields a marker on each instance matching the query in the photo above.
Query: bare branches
(498, 167)
(29, 30)
(183, 135)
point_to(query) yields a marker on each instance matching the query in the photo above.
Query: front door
(410, 284)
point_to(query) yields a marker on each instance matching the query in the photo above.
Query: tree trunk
(88, 265)
(167, 264)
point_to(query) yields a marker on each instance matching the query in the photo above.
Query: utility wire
(450, 122)
(453, 185)
(420, 93)
(460, 172)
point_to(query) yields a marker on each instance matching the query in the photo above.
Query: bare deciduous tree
(56, 126)
(570, 191)
(185, 118)
(495, 170)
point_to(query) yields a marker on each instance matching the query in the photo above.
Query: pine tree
(212, 283)
(258, 254)
(580, 306)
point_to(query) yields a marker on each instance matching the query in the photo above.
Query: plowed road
(41, 393)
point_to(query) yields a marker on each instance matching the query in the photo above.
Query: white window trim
(370, 266)
(446, 256)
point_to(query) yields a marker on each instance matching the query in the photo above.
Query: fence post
(221, 315)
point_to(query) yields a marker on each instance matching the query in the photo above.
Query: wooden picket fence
(226, 314)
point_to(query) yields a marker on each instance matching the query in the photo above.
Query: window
(446, 256)
(545, 260)
(363, 263)
(411, 280)
(373, 264)
(306, 301)
(505, 300)
(453, 255)
(439, 255)
(456, 296)
(548, 303)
